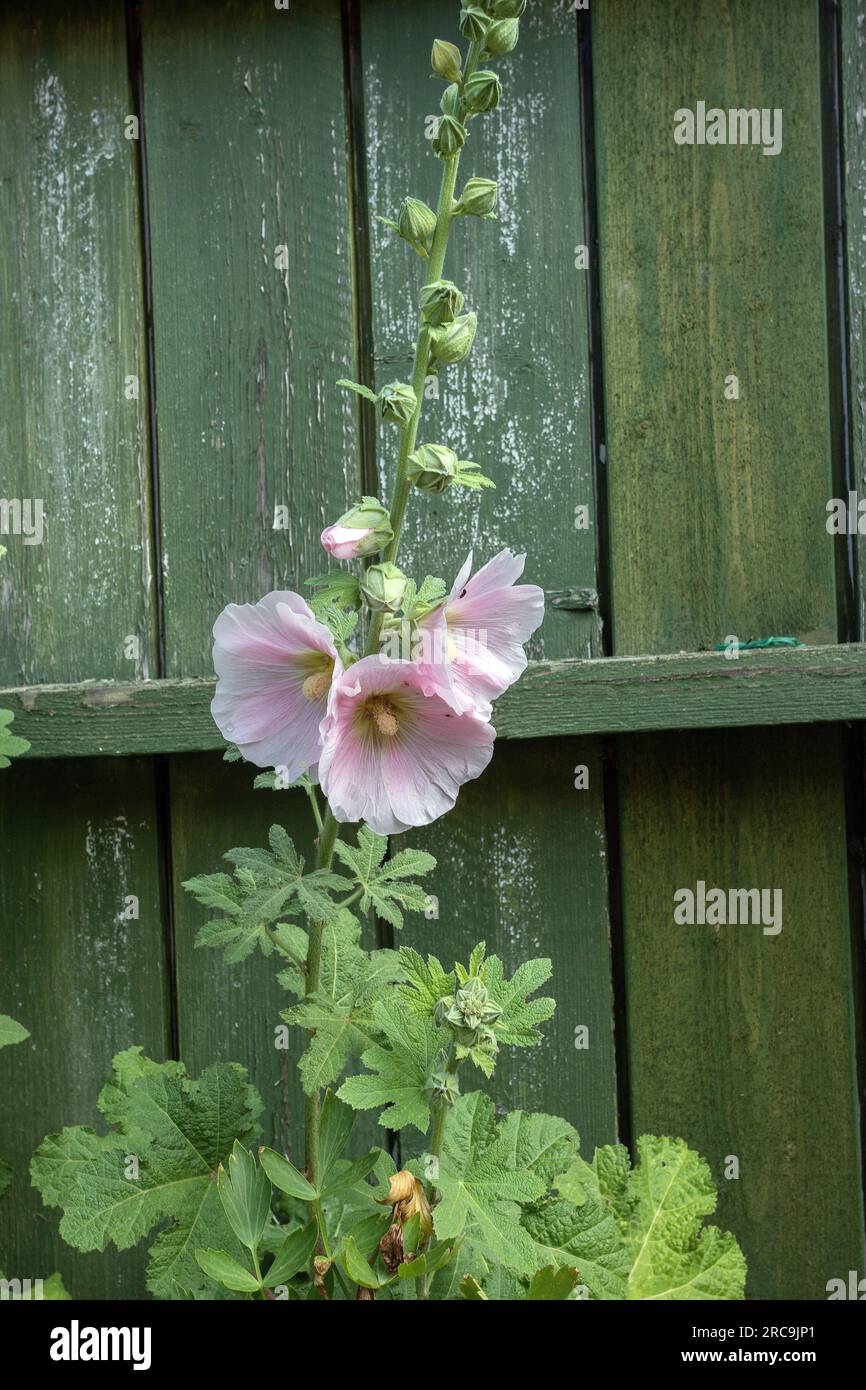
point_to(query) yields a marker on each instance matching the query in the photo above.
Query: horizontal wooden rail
(615, 695)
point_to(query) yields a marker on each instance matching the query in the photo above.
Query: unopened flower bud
(482, 91)
(449, 102)
(384, 587)
(444, 1086)
(416, 224)
(502, 36)
(363, 530)
(432, 468)
(450, 137)
(440, 302)
(397, 402)
(508, 9)
(473, 22)
(478, 198)
(445, 60)
(454, 342)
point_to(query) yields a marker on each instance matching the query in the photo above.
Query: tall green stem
(435, 266)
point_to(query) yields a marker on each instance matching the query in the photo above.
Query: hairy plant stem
(440, 1119)
(329, 829)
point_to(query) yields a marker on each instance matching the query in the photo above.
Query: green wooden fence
(166, 386)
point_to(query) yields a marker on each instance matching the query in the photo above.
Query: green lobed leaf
(11, 746)
(481, 1190)
(386, 884)
(177, 1130)
(552, 1282)
(672, 1257)
(399, 1068)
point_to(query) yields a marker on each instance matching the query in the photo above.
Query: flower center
(381, 711)
(316, 685)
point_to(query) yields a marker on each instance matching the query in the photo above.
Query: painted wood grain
(80, 603)
(246, 150)
(853, 121)
(80, 855)
(742, 1041)
(615, 695)
(712, 264)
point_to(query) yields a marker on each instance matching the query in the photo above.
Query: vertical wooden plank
(740, 1041)
(246, 153)
(70, 339)
(712, 263)
(853, 120)
(88, 980)
(522, 860)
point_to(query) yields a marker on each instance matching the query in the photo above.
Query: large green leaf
(399, 1068)
(672, 1257)
(158, 1164)
(386, 885)
(481, 1189)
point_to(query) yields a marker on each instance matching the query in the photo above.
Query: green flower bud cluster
(384, 587)
(432, 468)
(470, 1014)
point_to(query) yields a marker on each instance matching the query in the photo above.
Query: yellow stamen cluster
(315, 687)
(381, 711)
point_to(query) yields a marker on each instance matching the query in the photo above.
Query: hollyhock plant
(275, 662)
(476, 651)
(506, 1208)
(394, 755)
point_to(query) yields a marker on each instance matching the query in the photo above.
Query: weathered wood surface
(246, 150)
(853, 120)
(80, 604)
(617, 695)
(740, 1042)
(80, 854)
(711, 264)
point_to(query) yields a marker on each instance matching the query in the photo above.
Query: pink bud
(344, 542)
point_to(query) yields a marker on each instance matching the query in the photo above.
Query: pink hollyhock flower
(275, 664)
(473, 643)
(344, 542)
(394, 756)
